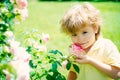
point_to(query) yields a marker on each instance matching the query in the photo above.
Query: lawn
(45, 17)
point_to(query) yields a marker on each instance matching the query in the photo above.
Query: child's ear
(96, 29)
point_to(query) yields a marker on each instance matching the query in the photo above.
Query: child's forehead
(86, 27)
(83, 28)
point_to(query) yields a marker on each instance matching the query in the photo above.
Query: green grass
(45, 17)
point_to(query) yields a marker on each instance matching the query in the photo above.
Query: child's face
(85, 37)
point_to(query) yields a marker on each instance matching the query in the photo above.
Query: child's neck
(87, 49)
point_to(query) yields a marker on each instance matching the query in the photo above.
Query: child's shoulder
(105, 41)
(109, 44)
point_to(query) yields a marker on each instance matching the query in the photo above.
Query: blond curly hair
(79, 16)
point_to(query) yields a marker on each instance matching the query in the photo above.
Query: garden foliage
(35, 62)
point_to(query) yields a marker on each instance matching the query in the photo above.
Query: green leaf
(39, 62)
(2, 77)
(54, 66)
(55, 52)
(59, 63)
(31, 64)
(51, 60)
(55, 74)
(60, 77)
(40, 41)
(29, 49)
(76, 68)
(63, 77)
(68, 65)
(49, 77)
(32, 73)
(48, 57)
(60, 53)
(41, 76)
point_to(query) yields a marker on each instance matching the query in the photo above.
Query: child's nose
(80, 38)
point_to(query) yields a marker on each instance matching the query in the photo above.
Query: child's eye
(84, 32)
(74, 34)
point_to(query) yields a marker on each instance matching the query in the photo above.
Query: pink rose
(75, 49)
(9, 34)
(22, 68)
(22, 3)
(45, 37)
(24, 13)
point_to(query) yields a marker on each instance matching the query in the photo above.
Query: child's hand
(83, 59)
(79, 54)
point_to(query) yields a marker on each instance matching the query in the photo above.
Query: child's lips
(77, 44)
(80, 44)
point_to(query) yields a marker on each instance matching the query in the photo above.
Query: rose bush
(46, 64)
(12, 55)
(35, 62)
